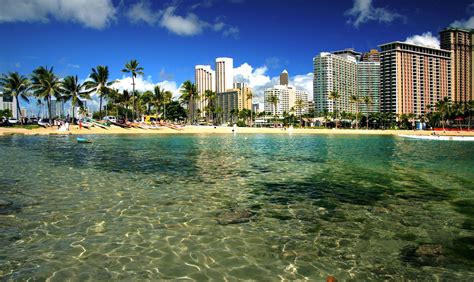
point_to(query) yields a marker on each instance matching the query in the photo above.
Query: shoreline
(6, 131)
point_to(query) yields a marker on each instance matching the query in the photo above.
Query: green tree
(99, 84)
(16, 85)
(210, 97)
(133, 68)
(469, 107)
(188, 95)
(367, 101)
(355, 100)
(334, 96)
(444, 108)
(250, 97)
(273, 100)
(147, 99)
(45, 85)
(299, 104)
(72, 90)
(175, 111)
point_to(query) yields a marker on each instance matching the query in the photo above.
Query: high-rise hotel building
(461, 43)
(287, 97)
(204, 78)
(368, 85)
(413, 77)
(236, 98)
(335, 72)
(224, 74)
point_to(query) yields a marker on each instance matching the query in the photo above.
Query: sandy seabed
(216, 130)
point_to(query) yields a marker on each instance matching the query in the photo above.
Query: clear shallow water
(236, 207)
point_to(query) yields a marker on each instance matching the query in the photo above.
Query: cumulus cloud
(96, 14)
(259, 80)
(188, 25)
(464, 23)
(426, 39)
(363, 11)
(183, 25)
(142, 12)
(142, 84)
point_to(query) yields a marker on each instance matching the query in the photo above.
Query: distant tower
(224, 74)
(284, 78)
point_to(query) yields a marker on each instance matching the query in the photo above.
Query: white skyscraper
(204, 78)
(286, 100)
(224, 74)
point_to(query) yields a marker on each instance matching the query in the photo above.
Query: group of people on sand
(63, 125)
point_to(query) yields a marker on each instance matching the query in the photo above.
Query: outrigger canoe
(83, 140)
(438, 137)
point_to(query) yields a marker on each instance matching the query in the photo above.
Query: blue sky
(169, 37)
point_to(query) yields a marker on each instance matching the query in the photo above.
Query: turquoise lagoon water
(262, 207)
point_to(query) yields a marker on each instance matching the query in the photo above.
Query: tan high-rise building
(413, 77)
(284, 78)
(460, 42)
(224, 74)
(204, 78)
(234, 99)
(371, 56)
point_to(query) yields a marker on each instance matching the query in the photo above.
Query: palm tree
(125, 101)
(167, 96)
(411, 117)
(157, 100)
(354, 99)
(15, 85)
(148, 98)
(469, 107)
(188, 93)
(133, 68)
(210, 97)
(45, 84)
(273, 100)
(367, 101)
(299, 104)
(72, 90)
(444, 108)
(334, 96)
(250, 97)
(99, 84)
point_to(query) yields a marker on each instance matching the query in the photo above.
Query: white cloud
(186, 26)
(426, 39)
(96, 14)
(363, 11)
(142, 11)
(141, 84)
(231, 32)
(259, 80)
(464, 23)
(74, 66)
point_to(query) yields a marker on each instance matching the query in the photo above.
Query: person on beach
(67, 121)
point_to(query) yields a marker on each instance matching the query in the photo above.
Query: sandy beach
(74, 130)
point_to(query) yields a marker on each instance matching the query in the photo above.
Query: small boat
(44, 122)
(438, 137)
(103, 125)
(122, 125)
(83, 140)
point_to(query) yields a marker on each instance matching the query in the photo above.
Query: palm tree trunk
(18, 109)
(100, 107)
(251, 119)
(133, 97)
(49, 110)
